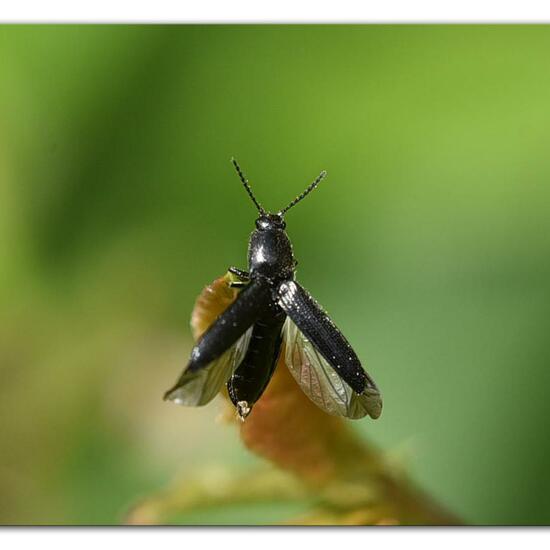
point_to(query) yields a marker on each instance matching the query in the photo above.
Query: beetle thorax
(269, 249)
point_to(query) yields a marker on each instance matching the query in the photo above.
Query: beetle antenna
(247, 187)
(308, 190)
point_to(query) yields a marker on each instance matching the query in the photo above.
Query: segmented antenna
(247, 187)
(309, 189)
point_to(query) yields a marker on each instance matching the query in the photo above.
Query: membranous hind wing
(321, 359)
(197, 388)
(319, 381)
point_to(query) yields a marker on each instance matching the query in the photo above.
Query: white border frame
(282, 11)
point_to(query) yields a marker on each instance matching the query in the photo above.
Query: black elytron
(242, 346)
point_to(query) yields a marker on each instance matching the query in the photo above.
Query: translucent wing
(321, 383)
(200, 387)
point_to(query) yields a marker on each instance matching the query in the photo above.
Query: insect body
(270, 313)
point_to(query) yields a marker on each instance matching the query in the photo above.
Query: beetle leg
(241, 273)
(239, 279)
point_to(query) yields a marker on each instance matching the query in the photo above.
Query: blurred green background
(429, 244)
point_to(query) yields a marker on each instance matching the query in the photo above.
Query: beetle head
(270, 222)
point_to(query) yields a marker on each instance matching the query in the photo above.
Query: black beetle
(242, 346)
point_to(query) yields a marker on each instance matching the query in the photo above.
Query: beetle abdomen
(250, 379)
